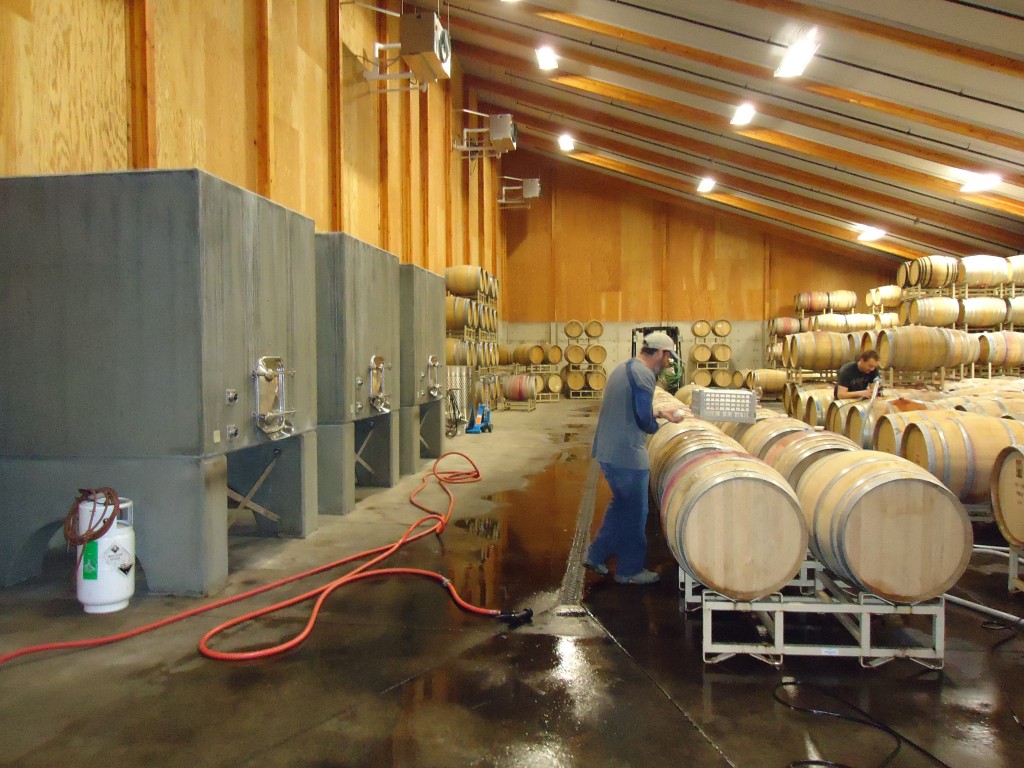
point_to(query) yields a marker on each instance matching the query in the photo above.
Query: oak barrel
(885, 525)
(1008, 494)
(734, 524)
(700, 328)
(573, 329)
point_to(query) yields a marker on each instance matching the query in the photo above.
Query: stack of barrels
(711, 356)
(471, 317)
(740, 504)
(584, 373)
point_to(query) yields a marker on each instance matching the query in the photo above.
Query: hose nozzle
(516, 618)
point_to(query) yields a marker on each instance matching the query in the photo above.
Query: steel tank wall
(422, 333)
(131, 302)
(357, 317)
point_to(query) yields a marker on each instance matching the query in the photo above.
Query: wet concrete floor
(394, 674)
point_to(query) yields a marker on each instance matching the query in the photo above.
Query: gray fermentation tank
(423, 366)
(159, 338)
(358, 382)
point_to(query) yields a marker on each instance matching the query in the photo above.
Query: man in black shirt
(855, 379)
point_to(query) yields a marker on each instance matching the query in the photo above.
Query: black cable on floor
(865, 719)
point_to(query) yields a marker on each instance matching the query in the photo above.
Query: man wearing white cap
(627, 415)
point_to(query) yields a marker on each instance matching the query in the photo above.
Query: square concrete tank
(138, 309)
(423, 365)
(357, 339)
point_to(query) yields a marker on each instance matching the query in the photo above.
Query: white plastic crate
(724, 404)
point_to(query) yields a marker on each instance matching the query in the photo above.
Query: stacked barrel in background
(471, 322)
(740, 503)
(584, 374)
(710, 356)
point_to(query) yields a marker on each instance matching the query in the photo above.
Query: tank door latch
(271, 376)
(433, 376)
(379, 398)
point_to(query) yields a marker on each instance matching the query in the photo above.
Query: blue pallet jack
(482, 421)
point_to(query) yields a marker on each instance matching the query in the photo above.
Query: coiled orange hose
(444, 478)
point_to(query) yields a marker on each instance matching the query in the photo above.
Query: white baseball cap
(661, 340)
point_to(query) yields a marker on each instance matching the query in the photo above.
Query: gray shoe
(599, 568)
(642, 578)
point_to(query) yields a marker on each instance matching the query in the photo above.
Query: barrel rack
(814, 591)
(1014, 582)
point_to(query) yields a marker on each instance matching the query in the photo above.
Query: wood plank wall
(594, 246)
(267, 94)
(271, 95)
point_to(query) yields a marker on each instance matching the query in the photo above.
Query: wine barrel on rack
(784, 326)
(732, 523)
(1008, 494)
(982, 311)
(464, 280)
(885, 525)
(596, 354)
(792, 454)
(573, 329)
(842, 301)
(721, 327)
(933, 271)
(933, 311)
(593, 328)
(983, 271)
(962, 450)
(701, 328)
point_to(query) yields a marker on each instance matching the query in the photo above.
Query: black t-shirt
(850, 376)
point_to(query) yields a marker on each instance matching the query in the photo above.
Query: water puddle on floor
(522, 547)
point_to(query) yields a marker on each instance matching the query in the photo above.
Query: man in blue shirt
(627, 415)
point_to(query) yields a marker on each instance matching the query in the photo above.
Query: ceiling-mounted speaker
(426, 47)
(502, 133)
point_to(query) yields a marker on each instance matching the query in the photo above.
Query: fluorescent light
(547, 58)
(867, 234)
(706, 184)
(744, 114)
(798, 55)
(980, 182)
(566, 143)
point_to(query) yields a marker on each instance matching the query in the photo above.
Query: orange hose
(444, 479)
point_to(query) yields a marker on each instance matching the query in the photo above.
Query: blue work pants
(623, 532)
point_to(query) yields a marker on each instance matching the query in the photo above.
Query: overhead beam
(746, 69)
(654, 75)
(718, 123)
(993, 62)
(653, 189)
(930, 241)
(950, 222)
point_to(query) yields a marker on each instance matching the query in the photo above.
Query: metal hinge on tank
(434, 376)
(271, 377)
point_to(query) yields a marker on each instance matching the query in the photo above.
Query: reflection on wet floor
(395, 675)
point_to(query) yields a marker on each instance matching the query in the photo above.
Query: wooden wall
(267, 94)
(63, 86)
(594, 246)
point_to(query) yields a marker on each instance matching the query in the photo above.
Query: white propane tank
(106, 571)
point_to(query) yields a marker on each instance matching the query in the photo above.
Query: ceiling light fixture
(546, 58)
(799, 55)
(566, 143)
(868, 234)
(980, 182)
(744, 114)
(706, 184)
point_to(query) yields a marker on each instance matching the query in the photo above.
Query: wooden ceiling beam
(807, 231)
(746, 69)
(823, 17)
(721, 95)
(928, 240)
(784, 173)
